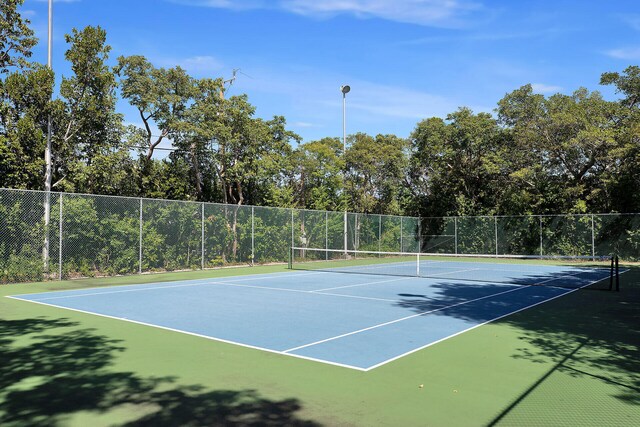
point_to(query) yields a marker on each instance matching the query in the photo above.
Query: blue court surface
(359, 321)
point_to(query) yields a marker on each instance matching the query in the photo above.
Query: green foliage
(21, 237)
(374, 173)
(627, 83)
(16, 38)
(458, 168)
(574, 153)
(24, 98)
(317, 169)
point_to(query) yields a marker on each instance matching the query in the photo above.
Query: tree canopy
(573, 152)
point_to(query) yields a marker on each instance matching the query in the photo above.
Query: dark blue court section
(352, 320)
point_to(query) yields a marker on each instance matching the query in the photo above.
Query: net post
(290, 260)
(418, 264)
(611, 273)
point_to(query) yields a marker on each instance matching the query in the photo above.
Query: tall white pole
(47, 155)
(344, 89)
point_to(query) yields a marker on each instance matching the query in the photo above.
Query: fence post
(345, 233)
(541, 236)
(379, 233)
(60, 241)
(253, 236)
(401, 232)
(202, 239)
(593, 239)
(455, 234)
(419, 234)
(292, 227)
(326, 234)
(495, 223)
(140, 241)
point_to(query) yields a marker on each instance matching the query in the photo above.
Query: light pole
(344, 89)
(47, 155)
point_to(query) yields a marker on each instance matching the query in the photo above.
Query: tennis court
(360, 320)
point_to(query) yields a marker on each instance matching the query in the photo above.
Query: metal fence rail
(90, 235)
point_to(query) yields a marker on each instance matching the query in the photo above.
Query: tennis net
(555, 271)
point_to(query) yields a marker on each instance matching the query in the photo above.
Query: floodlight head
(345, 89)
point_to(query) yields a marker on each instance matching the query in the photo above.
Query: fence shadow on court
(51, 369)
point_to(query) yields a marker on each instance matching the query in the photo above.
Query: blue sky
(405, 60)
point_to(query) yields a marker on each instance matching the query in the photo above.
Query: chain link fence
(90, 235)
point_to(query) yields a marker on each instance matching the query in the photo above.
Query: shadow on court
(50, 369)
(589, 341)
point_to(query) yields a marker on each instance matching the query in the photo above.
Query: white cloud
(633, 20)
(201, 64)
(488, 37)
(544, 88)
(225, 4)
(628, 53)
(393, 101)
(197, 65)
(59, 1)
(440, 13)
(422, 12)
(303, 124)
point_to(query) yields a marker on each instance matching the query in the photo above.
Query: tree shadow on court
(51, 369)
(584, 334)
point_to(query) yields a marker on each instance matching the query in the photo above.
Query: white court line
(238, 285)
(268, 350)
(296, 355)
(456, 272)
(354, 296)
(400, 320)
(142, 287)
(444, 308)
(366, 283)
(568, 291)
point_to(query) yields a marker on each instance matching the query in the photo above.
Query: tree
(375, 168)
(24, 98)
(194, 133)
(317, 174)
(565, 147)
(250, 154)
(457, 166)
(87, 130)
(625, 184)
(24, 102)
(627, 83)
(161, 96)
(16, 38)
